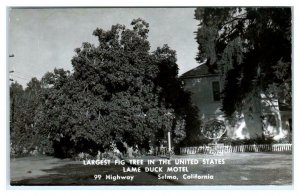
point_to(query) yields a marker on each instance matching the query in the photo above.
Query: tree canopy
(251, 48)
(119, 91)
(25, 105)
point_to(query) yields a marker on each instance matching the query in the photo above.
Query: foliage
(17, 123)
(119, 92)
(257, 140)
(25, 105)
(251, 48)
(186, 122)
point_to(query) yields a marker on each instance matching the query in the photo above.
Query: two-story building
(206, 87)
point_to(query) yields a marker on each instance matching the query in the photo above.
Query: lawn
(238, 169)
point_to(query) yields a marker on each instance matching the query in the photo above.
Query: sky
(44, 38)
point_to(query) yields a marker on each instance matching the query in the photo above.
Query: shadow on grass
(240, 169)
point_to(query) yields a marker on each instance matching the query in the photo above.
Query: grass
(239, 169)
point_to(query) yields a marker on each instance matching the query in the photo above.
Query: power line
(20, 77)
(24, 74)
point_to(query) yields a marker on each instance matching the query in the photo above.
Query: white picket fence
(233, 149)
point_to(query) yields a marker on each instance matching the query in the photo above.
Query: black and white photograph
(150, 96)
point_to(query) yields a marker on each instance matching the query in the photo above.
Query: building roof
(198, 72)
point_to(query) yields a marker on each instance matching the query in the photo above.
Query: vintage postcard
(128, 96)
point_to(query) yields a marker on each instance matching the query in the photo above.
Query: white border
(221, 190)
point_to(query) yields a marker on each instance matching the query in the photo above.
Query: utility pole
(13, 94)
(13, 107)
(11, 71)
(169, 129)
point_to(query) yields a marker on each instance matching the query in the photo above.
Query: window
(216, 90)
